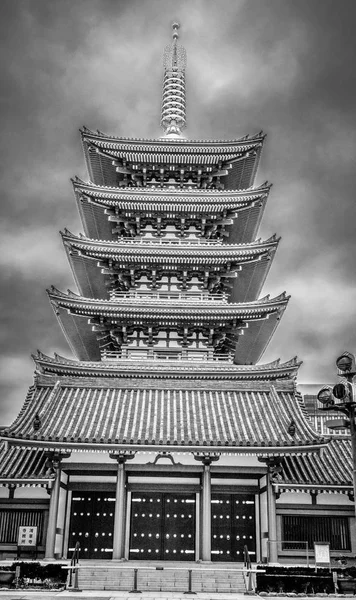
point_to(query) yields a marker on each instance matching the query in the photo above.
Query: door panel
(232, 526)
(92, 524)
(162, 526)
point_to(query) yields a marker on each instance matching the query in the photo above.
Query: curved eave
(332, 467)
(147, 198)
(167, 309)
(242, 158)
(175, 253)
(23, 467)
(63, 367)
(161, 447)
(258, 321)
(166, 146)
(244, 267)
(245, 208)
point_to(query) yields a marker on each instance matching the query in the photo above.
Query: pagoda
(163, 439)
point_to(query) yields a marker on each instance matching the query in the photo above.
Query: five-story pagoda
(166, 328)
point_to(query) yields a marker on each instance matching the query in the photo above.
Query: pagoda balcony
(172, 355)
(185, 296)
(170, 241)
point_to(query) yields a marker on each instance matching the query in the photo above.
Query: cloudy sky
(284, 66)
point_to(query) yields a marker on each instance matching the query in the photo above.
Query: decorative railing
(148, 296)
(159, 241)
(198, 356)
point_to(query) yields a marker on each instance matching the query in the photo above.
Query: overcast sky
(284, 66)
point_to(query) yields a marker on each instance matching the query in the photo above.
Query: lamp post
(341, 398)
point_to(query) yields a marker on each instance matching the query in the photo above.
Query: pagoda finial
(175, 27)
(173, 118)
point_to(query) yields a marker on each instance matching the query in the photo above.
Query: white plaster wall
(4, 492)
(29, 493)
(334, 499)
(294, 498)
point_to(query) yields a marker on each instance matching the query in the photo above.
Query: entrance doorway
(92, 524)
(232, 526)
(162, 526)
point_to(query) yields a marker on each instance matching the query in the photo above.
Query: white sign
(27, 536)
(322, 553)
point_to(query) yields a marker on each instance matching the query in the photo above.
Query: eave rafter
(161, 162)
(64, 367)
(169, 311)
(143, 253)
(172, 201)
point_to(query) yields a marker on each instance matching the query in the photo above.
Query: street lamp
(341, 398)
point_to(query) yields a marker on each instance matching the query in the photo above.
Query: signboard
(27, 536)
(322, 554)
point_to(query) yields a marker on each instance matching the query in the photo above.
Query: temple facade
(163, 439)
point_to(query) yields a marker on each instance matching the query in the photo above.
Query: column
(272, 477)
(206, 513)
(54, 466)
(206, 459)
(120, 505)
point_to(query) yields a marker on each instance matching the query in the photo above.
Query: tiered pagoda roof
(250, 324)
(237, 213)
(113, 161)
(215, 265)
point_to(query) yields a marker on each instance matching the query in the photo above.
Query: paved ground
(103, 595)
(118, 595)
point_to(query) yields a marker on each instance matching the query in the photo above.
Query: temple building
(164, 438)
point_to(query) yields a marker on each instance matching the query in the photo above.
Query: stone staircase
(150, 578)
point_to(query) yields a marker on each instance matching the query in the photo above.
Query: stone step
(204, 580)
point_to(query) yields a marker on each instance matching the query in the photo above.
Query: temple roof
(254, 322)
(186, 200)
(173, 369)
(19, 465)
(242, 210)
(106, 156)
(168, 310)
(192, 150)
(331, 468)
(243, 267)
(153, 251)
(112, 414)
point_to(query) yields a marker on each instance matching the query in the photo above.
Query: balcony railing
(158, 241)
(198, 356)
(148, 295)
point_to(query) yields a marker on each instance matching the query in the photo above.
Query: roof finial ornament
(173, 118)
(175, 27)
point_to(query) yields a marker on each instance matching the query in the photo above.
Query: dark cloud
(282, 66)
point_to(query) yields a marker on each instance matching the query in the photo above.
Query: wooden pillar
(120, 505)
(54, 463)
(272, 521)
(206, 514)
(206, 459)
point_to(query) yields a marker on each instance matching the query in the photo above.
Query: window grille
(334, 530)
(11, 520)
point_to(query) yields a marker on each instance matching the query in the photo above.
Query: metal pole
(134, 589)
(190, 591)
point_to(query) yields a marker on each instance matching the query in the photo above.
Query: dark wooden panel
(162, 526)
(232, 526)
(92, 524)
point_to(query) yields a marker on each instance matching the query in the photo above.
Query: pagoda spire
(173, 117)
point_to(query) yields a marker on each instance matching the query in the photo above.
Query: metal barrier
(73, 562)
